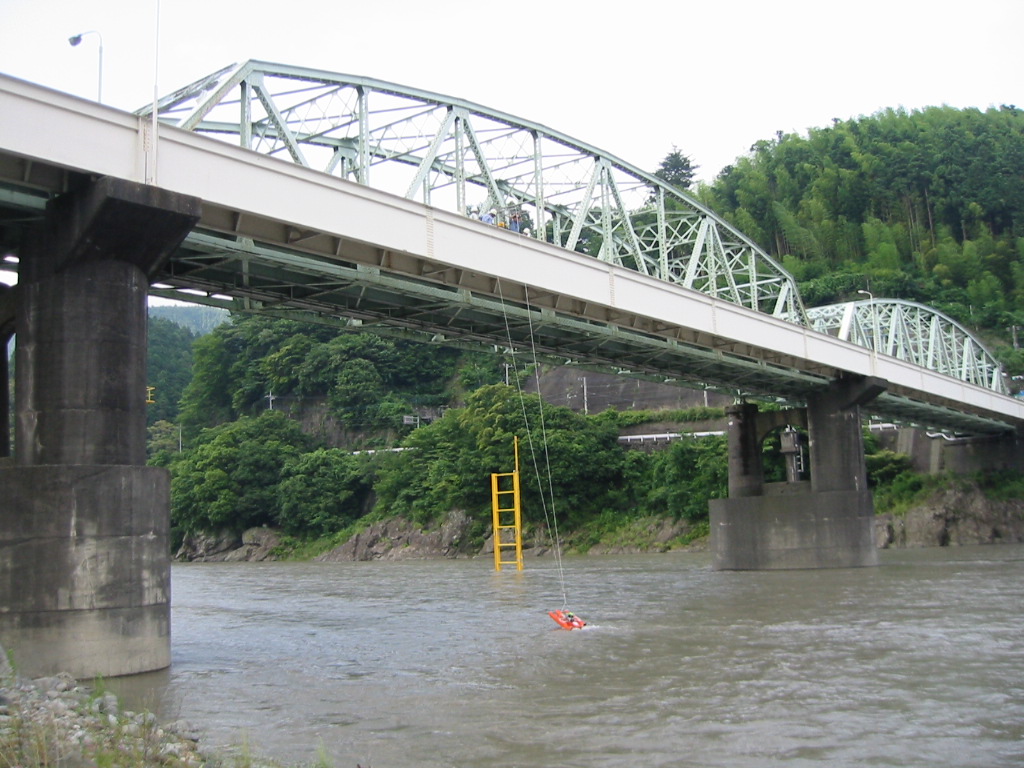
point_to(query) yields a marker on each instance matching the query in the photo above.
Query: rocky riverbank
(956, 516)
(401, 539)
(952, 517)
(53, 721)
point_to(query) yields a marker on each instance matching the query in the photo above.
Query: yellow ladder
(508, 533)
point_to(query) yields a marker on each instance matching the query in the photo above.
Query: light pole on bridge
(874, 330)
(75, 40)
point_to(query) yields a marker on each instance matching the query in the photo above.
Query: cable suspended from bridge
(547, 501)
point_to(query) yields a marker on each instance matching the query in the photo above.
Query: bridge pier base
(84, 534)
(826, 523)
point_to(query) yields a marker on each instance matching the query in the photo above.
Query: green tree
(168, 368)
(571, 466)
(357, 390)
(321, 492)
(677, 170)
(206, 400)
(681, 480)
(229, 479)
(162, 442)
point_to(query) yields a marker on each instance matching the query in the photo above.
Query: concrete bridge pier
(84, 560)
(827, 522)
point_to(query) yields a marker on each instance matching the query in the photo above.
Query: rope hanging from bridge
(551, 521)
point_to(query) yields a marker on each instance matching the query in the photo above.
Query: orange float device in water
(567, 619)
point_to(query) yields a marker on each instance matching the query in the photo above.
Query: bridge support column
(827, 523)
(746, 465)
(84, 549)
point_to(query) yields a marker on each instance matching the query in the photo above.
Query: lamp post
(875, 320)
(75, 40)
(874, 329)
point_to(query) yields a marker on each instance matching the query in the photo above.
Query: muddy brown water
(919, 662)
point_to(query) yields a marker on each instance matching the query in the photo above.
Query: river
(918, 662)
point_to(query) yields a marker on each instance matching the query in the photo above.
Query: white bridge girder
(283, 238)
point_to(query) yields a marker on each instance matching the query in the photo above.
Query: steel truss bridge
(460, 156)
(592, 262)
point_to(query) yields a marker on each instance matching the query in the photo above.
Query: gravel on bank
(53, 721)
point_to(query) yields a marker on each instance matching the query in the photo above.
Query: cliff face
(954, 517)
(399, 539)
(254, 545)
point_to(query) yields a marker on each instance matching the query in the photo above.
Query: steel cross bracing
(450, 153)
(913, 332)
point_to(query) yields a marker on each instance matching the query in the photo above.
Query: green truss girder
(913, 332)
(453, 154)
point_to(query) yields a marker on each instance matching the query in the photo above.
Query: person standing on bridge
(490, 217)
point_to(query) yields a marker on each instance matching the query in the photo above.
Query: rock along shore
(952, 517)
(53, 721)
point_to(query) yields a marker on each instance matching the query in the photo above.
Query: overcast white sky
(632, 78)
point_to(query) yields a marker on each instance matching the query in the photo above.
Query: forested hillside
(925, 205)
(239, 458)
(368, 383)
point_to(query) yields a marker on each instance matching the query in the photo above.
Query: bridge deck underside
(216, 270)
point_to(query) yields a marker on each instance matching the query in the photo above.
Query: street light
(875, 321)
(75, 40)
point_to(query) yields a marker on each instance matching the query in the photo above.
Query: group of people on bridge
(509, 218)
